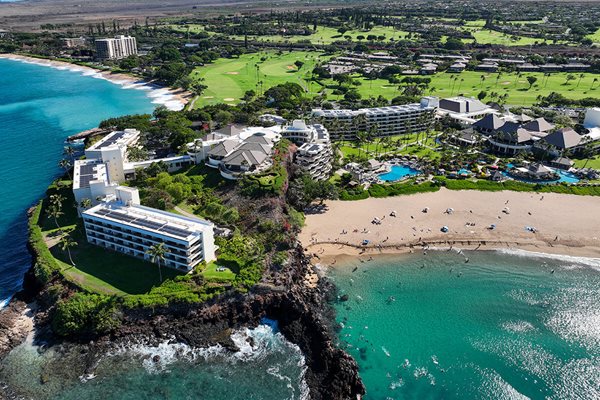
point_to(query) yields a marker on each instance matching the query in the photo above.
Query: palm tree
(55, 208)
(86, 203)
(66, 165)
(579, 81)
(69, 151)
(65, 244)
(55, 213)
(157, 255)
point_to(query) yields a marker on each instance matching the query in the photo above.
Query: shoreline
(173, 99)
(340, 228)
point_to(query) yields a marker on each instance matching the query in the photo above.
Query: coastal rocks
(16, 323)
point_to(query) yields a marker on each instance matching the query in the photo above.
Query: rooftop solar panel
(113, 139)
(87, 169)
(102, 212)
(175, 231)
(84, 180)
(121, 217)
(148, 224)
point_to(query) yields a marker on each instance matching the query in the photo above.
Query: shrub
(85, 314)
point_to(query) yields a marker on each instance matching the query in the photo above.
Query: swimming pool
(398, 172)
(565, 176)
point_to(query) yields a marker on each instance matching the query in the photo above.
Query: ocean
(267, 367)
(39, 108)
(502, 326)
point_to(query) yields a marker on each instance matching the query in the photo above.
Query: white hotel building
(315, 153)
(125, 226)
(382, 121)
(116, 48)
(116, 219)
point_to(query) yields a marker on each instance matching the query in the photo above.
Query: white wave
(158, 94)
(518, 326)
(4, 302)
(573, 261)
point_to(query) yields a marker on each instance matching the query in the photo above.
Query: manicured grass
(210, 272)
(595, 36)
(591, 163)
(229, 79)
(517, 88)
(104, 271)
(324, 35)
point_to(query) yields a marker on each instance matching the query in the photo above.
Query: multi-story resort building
(116, 219)
(314, 154)
(116, 48)
(123, 225)
(380, 121)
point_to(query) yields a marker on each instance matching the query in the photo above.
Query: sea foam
(159, 95)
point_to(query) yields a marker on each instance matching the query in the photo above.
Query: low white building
(123, 225)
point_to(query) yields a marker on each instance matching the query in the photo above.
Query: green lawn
(595, 36)
(517, 88)
(591, 163)
(324, 34)
(211, 273)
(109, 272)
(229, 79)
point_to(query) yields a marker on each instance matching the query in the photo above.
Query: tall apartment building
(125, 226)
(381, 121)
(315, 153)
(116, 48)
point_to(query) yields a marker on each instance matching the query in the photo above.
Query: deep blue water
(39, 108)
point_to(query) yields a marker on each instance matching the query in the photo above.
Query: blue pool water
(39, 108)
(565, 176)
(398, 172)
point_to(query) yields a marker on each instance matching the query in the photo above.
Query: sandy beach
(173, 99)
(561, 224)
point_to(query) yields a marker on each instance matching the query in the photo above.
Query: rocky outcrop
(303, 314)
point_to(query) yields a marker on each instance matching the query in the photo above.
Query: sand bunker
(232, 73)
(506, 83)
(208, 97)
(291, 67)
(229, 99)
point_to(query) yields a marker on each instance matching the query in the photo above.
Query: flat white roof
(149, 219)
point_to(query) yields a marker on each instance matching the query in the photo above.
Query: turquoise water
(498, 327)
(39, 108)
(270, 368)
(565, 176)
(398, 172)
